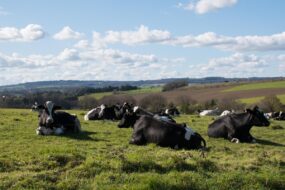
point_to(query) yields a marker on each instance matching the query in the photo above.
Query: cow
(172, 111)
(56, 122)
(161, 116)
(226, 112)
(148, 129)
(235, 127)
(93, 114)
(214, 112)
(121, 110)
(275, 115)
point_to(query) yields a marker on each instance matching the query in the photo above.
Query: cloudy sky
(135, 40)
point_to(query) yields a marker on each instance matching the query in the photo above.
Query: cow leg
(138, 138)
(251, 138)
(235, 140)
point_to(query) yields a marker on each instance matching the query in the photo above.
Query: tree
(175, 84)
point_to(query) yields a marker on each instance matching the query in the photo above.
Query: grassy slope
(254, 86)
(130, 92)
(259, 98)
(101, 158)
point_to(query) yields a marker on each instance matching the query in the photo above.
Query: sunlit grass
(259, 85)
(259, 98)
(101, 158)
(143, 90)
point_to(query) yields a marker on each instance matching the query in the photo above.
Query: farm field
(247, 93)
(259, 98)
(101, 158)
(130, 92)
(259, 85)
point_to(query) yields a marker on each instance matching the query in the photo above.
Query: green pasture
(101, 158)
(259, 85)
(143, 90)
(255, 100)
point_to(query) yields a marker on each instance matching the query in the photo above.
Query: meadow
(101, 158)
(257, 99)
(143, 90)
(258, 85)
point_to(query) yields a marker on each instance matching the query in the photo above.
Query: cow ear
(57, 107)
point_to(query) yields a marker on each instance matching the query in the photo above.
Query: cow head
(46, 116)
(128, 120)
(258, 118)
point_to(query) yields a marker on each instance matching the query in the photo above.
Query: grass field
(129, 92)
(259, 85)
(101, 158)
(259, 98)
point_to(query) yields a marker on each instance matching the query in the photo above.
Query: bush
(209, 104)
(153, 102)
(271, 104)
(175, 84)
(230, 104)
(87, 102)
(187, 105)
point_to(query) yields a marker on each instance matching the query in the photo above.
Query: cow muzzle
(49, 120)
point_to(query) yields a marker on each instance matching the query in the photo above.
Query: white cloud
(68, 55)
(205, 6)
(31, 32)
(236, 65)
(67, 33)
(228, 43)
(85, 63)
(142, 35)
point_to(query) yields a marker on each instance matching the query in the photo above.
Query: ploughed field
(249, 93)
(101, 158)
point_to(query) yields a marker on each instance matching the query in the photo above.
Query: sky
(140, 40)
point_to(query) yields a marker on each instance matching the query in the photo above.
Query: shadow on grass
(266, 142)
(84, 136)
(178, 165)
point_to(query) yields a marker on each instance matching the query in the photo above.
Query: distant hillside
(62, 84)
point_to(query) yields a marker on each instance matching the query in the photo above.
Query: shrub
(230, 104)
(271, 104)
(153, 102)
(187, 104)
(209, 104)
(87, 102)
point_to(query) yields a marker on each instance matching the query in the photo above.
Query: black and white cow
(148, 129)
(114, 112)
(56, 122)
(172, 111)
(93, 114)
(236, 126)
(214, 112)
(161, 116)
(121, 110)
(280, 115)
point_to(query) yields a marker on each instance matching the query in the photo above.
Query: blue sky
(135, 40)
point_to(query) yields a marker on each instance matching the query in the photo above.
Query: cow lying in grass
(114, 112)
(236, 126)
(148, 129)
(56, 122)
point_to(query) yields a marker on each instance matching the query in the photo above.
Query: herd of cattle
(159, 128)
